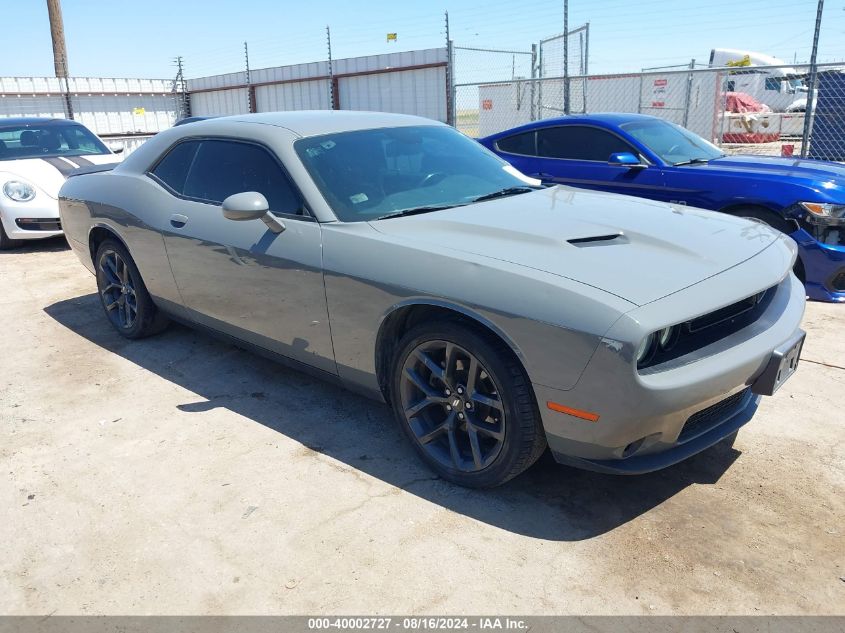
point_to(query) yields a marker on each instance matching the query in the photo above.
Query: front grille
(39, 224)
(725, 314)
(713, 416)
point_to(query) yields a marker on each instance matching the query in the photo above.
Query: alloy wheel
(452, 405)
(118, 290)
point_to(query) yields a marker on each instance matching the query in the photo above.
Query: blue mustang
(648, 157)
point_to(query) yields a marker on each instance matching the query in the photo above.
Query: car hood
(645, 250)
(816, 170)
(48, 174)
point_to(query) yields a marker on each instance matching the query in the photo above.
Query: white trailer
(768, 79)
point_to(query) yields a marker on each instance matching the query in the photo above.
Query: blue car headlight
(825, 209)
(19, 191)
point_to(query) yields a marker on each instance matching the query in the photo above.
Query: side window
(772, 84)
(524, 143)
(576, 142)
(222, 168)
(172, 170)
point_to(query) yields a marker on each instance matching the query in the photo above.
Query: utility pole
(180, 96)
(811, 91)
(566, 56)
(57, 34)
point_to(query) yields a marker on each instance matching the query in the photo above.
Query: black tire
(123, 295)
(6, 242)
(515, 418)
(778, 223)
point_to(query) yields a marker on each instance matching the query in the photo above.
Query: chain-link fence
(747, 109)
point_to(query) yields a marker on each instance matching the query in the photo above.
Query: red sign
(658, 104)
(661, 82)
(487, 104)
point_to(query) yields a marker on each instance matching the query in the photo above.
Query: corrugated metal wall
(220, 102)
(421, 92)
(107, 106)
(412, 82)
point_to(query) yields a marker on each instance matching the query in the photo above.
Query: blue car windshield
(43, 140)
(369, 174)
(672, 143)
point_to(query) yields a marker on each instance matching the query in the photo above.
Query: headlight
(666, 337)
(825, 209)
(645, 350)
(19, 191)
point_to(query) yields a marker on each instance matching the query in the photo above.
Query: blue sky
(119, 38)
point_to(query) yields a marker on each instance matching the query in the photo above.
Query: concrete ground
(179, 475)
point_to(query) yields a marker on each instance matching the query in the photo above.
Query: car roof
(316, 122)
(603, 119)
(34, 120)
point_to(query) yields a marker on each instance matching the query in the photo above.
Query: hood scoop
(599, 240)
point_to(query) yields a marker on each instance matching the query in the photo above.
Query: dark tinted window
(518, 144)
(577, 142)
(223, 168)
(172, 170)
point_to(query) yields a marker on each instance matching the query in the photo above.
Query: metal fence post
(533, 82)
(334, 100)
(450, 77)
(566, 56)
(811, 89)
(688, 93)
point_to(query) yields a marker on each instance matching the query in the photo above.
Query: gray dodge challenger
(402, 259)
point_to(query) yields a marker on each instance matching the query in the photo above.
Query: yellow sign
(391, 37)
(139, 111)
(745, 61)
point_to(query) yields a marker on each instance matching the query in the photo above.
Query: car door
(239, 277)
(577, 155)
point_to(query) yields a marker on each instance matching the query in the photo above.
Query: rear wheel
(466, 404)
(124, 296)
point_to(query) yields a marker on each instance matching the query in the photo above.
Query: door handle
(177, 220)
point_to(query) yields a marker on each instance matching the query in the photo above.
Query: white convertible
(36, 155)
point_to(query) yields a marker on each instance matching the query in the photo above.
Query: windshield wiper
(509, 191)
(417, 210)
(693, 161)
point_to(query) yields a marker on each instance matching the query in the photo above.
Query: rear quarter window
(172, 170)
(525, 143)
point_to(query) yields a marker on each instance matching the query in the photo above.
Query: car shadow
(46, 245)
(548, 501)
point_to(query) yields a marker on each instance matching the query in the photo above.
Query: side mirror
(116, 148)
(251, 205)
(625, 159)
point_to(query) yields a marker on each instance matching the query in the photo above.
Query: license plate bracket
(782, 364)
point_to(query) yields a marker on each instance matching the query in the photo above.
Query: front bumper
(650, 420)
(824, 264)
(36, 219)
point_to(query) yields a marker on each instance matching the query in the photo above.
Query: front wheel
(124, 296)
(466, 404)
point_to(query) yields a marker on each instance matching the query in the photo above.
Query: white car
(36, 155)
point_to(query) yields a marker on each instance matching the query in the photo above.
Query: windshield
(47, 139)
(672, 143)
(368, 174)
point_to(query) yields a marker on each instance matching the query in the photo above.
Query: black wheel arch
(404, 317)
(768, 212)
(100, 233)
